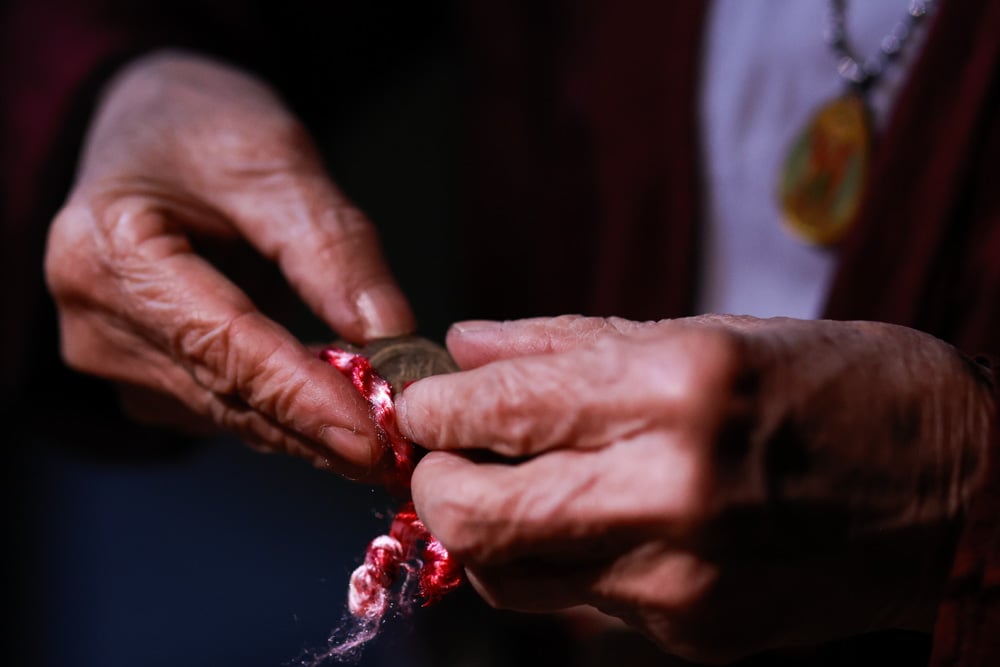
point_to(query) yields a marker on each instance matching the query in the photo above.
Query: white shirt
(766, 70)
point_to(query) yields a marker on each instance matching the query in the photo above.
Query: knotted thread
(409, 549)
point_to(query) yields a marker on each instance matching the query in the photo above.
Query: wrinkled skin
(726, 485)
(185, 153)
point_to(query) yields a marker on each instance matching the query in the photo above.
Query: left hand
(726, 485)
(189, 164)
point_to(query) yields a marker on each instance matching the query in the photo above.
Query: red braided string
(408, 548)
(378, 392)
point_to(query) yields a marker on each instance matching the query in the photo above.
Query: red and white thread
(409, 549)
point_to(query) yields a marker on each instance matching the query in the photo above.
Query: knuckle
(136, 232)
(278, 393)
(352, 223)
(513, 422)
(625, 327)
(260, 145)
(716, 482)
(68, 235)
(718, 368)
(230, 360)
(714, 394)
(343, 231)
(275, 140)
(668, 493)
(216, 352)
(206, 349)
(455, 525)
(292, 139)
(725, 420)
(290, 134)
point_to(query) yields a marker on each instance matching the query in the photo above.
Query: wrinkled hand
(183, 151)
(726, 485)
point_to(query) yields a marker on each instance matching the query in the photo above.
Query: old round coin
(404, 359)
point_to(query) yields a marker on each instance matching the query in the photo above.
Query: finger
(578, 507)
(233, 350)
(230, 142)
(476, 343)
(202, 413)
(586, 397)
(570, 528)
(327, 249)
(156, 391)
(211, 328)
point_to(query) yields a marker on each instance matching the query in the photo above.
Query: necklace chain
(863, 73)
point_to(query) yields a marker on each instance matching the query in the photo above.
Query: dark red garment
(585, 193)
(925, 254)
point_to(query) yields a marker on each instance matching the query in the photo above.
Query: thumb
(327, 249)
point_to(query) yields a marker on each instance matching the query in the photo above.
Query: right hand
(181, 149)
(724, 484)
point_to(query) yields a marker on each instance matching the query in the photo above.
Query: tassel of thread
(409, 549)
(390, 558)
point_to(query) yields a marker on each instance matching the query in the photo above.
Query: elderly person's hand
(726, 485)
(183, 153)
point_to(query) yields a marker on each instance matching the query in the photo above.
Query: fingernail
(384, 312)
(475, 326)
(352, 447)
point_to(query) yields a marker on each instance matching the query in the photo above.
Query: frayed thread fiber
(381, 582)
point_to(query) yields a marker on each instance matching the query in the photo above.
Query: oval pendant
(825, 171)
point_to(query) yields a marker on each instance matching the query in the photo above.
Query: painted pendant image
(824, 175)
